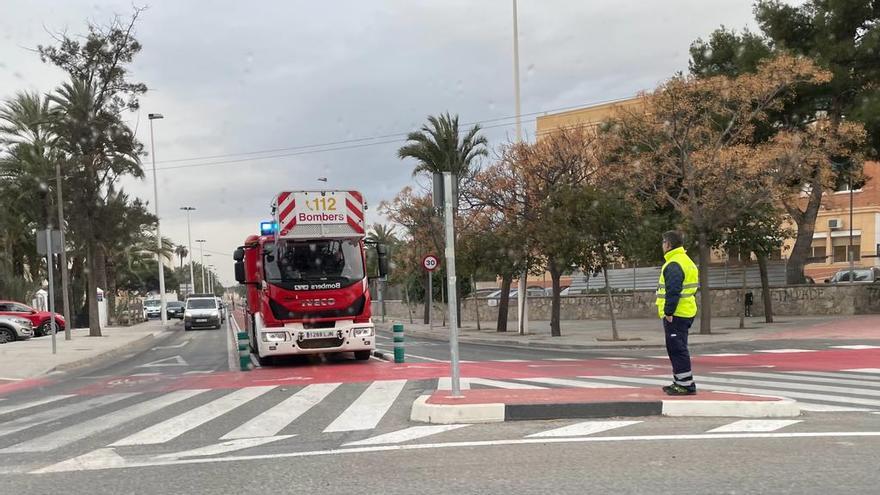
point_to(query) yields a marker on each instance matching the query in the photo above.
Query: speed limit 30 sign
(430, 262)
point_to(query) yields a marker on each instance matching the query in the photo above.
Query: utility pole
(451, 283)
(521, 293)
(65, 295)
(192, 280)
(202, 260)
(163, 305)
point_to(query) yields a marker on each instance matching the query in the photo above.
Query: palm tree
(438, 147)
(382, 234)
(181, 253)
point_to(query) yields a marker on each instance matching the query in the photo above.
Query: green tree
(91, 131)
(439, 147)
(842, 37)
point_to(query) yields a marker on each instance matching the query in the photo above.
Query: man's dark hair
(673, 238)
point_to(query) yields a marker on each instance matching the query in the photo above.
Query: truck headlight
(274, 336)
(363, 332)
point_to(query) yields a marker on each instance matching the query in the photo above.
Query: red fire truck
(306, 277)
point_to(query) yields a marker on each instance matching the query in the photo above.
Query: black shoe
(676, 389)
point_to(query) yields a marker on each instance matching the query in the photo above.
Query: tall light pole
(65, 293)
(521, 293)
(211, 278)
(206, 272)
(192, 280)
(162, 302)
(202, 260)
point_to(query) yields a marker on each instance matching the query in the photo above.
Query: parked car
(494, 297)
(484, 293)
(201, 312)
(39, 319)
(868, 275)
(14, 328)
(222, 307)
(174, 309)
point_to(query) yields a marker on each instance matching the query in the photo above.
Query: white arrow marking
(171, 361)
(405, 435)
(175, 346)
(755, 425)
(583, 429)
(97, 459)
(223, 447)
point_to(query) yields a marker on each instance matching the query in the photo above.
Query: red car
(40, 319)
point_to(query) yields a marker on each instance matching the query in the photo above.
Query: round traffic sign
(430, 262)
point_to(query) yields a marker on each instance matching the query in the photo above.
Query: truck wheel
(362, 355)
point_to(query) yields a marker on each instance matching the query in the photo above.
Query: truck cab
(307, 286)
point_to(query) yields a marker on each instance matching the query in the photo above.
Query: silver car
(14, 328)
(201, 312)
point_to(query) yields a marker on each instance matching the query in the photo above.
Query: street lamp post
(852, 274)
(211, 278)
(206, 272)
(202, 260)
(521, 293)
(192, 280)
(162, 302)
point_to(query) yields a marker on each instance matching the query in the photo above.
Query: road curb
(464, 339)
(136, 346)
(497, 412)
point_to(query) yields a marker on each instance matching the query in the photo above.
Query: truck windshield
(309, 262)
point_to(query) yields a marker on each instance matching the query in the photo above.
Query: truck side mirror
(239, 272)
(238, 255)
(382, 251)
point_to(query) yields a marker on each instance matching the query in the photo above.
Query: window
(201, 303)
(841, 247)
(314, 261)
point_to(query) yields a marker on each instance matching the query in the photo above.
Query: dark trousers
(677, 349)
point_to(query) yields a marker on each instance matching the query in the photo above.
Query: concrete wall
(787, 301)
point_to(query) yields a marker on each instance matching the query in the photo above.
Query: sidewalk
(641, 333)
(33, 358)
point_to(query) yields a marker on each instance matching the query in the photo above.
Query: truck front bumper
(293, 339)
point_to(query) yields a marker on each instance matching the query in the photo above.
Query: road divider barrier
(244, 352)
(398, 343)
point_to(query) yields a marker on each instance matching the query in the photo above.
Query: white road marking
(658, 357)
(198, 372)
(510, 360)
(144, 374)
(180, 424)
(562, 359)
(753, 425)
(66, 436)
(108, 459)
(426, 358)
(405, 435)
(33, 403)
(864, 377)
(275, 419)
(11, 379)
(783, 376)
(27, 421)
(503, 384)
(810, 407)
(875, 371)
(722, 354)
(368, 409)
(169, 361)
(582, 429)
(809, 387)
(175, 346)
(223, 447)
(785, 351)
(445, 383)
(618, 358)
(856, 347)
(567, 382)
(752, 390)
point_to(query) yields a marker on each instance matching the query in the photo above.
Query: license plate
(320, 334)
(201, 320)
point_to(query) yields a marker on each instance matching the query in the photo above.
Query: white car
(494, 297)
(201, 312)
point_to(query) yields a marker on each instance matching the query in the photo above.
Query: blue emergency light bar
(267, 228)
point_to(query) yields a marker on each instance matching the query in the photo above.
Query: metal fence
(645, 278)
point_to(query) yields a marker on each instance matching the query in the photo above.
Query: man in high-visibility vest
(677, 306)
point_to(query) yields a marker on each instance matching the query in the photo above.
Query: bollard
(244, 352)
(398, 342)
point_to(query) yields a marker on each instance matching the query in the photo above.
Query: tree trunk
(742, 296)
(504, 302)
(614, 334)
(765, 288)
(555, 277)
(476, 302)
(92, 291)
(408, 302)
(110, 292)
(705, 294)
(806, 225)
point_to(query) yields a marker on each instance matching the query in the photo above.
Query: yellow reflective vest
(687, 304)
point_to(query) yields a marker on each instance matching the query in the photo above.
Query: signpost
(430, 263)
(49, 244)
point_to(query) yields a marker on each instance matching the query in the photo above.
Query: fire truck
(306, 277)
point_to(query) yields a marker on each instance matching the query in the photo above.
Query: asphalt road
(142, 425)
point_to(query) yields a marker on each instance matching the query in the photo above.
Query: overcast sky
(236, 79)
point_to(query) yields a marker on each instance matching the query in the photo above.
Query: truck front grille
(320, 343)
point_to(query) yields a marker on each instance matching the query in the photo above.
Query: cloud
(234, 77)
